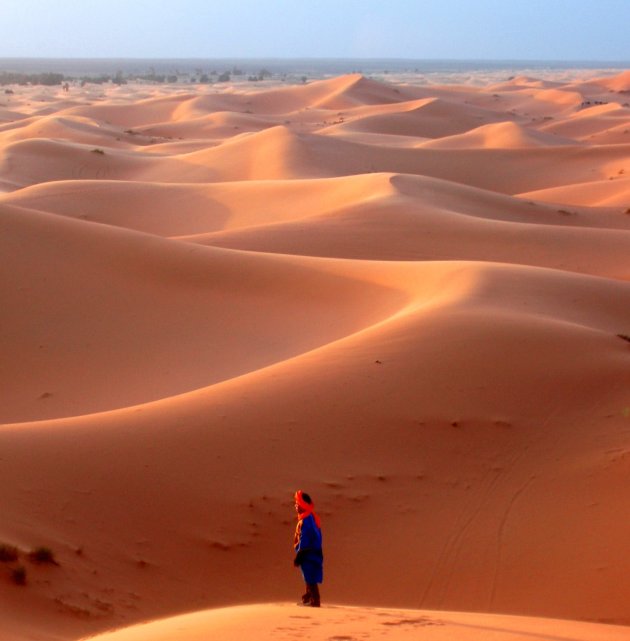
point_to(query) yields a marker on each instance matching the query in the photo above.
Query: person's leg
(314, 591)
(306, 597)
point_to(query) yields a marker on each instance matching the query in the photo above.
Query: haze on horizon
(445, 29)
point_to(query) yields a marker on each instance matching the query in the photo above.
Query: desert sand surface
(282, 621)
(410, 300)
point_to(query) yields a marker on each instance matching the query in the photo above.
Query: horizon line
(318, 58)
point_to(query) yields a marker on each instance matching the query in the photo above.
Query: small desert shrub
(42, 555)
(624, 337)
(18, 575)
(98, 151)
(8, 553)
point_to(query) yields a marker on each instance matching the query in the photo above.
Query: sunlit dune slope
(36, 160)
(593, 123)
(141, 112)
(279, 621)
(429, 118)
(603, 193)
(619, 83)
(75, 129)
(214, 126)
(505, 135)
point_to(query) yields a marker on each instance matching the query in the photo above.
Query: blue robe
(309, 549)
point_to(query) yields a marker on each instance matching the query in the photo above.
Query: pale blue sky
(466, 29)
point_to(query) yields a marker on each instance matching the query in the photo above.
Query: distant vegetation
(153, 77)
(11, 78)
(261, 75)
(199, 76)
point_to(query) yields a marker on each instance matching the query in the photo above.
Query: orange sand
(405, 300)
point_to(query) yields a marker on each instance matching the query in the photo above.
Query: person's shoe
(314, 595)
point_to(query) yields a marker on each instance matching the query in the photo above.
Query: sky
(420, 29)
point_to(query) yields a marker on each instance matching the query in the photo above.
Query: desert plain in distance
(411, 301)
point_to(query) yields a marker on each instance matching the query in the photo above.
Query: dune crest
(342, 622)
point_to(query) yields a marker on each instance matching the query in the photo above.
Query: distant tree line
(153, 77)
(14, 78)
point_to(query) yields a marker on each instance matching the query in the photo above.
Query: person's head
(302, 501)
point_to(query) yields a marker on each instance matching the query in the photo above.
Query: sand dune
(505, 135)
(614, 192)
(392, 230)
(521, 81)
(278, 152)
(275, 153)
(593, 121)
(410, 301)
(429, 118)
(218, 345)
(619, 83)
(142, 112)
(183, 209)
(192, 209)
(75, 129)
(36, 160)
(338, 622)
(345, 92)
(9, 116)
(535, 102)
(496, 338)
(219, 125)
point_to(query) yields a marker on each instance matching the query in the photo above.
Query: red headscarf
(306, 510)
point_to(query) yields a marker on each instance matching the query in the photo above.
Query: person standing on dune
(308, 548)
